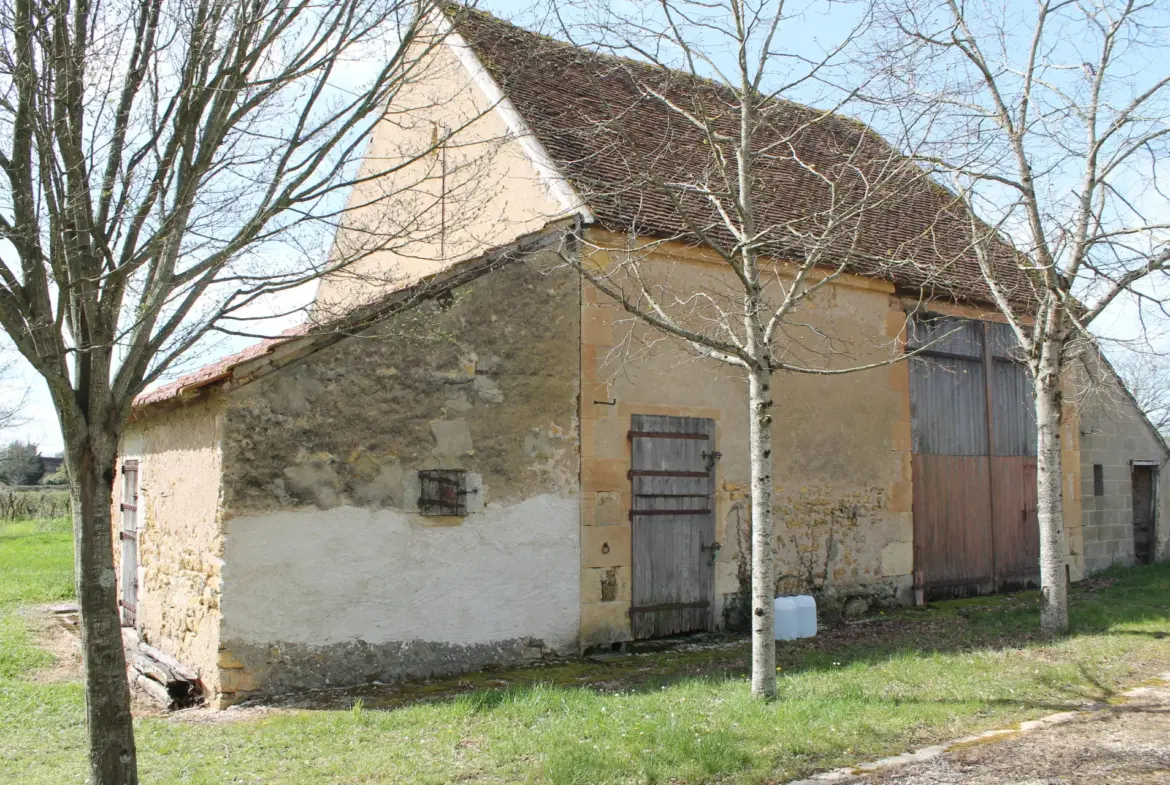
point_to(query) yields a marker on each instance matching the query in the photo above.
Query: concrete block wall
(1114, 434)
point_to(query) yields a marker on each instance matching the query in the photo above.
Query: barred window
(443, 492)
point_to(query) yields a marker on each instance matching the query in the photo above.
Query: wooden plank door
(129, 537)
(1143, 513)
(672, 515)
(1016, 530)
(953, 550)
(974, 459)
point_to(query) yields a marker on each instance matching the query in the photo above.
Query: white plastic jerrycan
(796, 617)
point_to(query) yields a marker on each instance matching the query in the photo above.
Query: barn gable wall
(430, 210)
(1113, 434)
(332, 576)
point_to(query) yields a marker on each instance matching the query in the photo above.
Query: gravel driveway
(1125, 743)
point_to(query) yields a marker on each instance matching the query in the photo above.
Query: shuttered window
(442, 492)
(129, 538)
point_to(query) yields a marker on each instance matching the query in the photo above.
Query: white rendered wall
(321, 577)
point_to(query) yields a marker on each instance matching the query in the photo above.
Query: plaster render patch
(295, 393)
(315, 481)
(452, 438)
(457, 401)
(348, 574)
(385, 489)
(898, 558)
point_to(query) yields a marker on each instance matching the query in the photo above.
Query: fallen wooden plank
(153, 669)
(178, 668)
(157, 692)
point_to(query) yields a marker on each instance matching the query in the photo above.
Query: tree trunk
(763, 586)
(1050, 497)
(109, 723)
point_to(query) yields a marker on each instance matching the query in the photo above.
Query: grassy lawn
(896, 681)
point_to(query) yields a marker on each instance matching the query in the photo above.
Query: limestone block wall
(1113, 434)
(180, 534)
(841, 453)
(332, 575)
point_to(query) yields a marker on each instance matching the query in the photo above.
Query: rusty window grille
(442, 492)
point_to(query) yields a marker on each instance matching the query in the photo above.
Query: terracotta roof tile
(217, 370)
(618, 144)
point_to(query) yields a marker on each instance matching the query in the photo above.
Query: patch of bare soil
(205, 715)
(1125, 743)
(55, 631)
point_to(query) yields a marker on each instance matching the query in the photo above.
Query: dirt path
(1126, 742)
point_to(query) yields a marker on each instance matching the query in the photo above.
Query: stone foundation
(258, 671)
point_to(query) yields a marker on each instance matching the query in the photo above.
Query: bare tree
(15, 396)
(167, 167)
(1050, 121)
(784, 198)
(1147, 376)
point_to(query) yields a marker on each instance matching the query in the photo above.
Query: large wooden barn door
(952, 501)
(1013, 464)
(673, 518)
(974, 467)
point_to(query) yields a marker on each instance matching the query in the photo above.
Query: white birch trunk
(763, 585)
(1049, 495)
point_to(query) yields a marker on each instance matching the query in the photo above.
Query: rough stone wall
(331, 575)
(1113, 434)
(841, 452)
(180, 537)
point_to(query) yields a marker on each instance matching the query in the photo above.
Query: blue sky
(817, 26)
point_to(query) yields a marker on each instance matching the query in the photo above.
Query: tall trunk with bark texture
(1049, 495)
(763, 585)
(91, 456)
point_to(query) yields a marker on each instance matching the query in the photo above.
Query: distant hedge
(18, 504)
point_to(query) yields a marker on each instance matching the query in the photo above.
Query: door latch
(711, 458)
(714, 547)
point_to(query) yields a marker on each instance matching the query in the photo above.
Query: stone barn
(467, 469)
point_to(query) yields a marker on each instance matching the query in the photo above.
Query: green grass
(903, 680)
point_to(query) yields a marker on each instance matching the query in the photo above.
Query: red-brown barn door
(673, 518)
(1013, 466)
(974, 466)
(952, 505)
